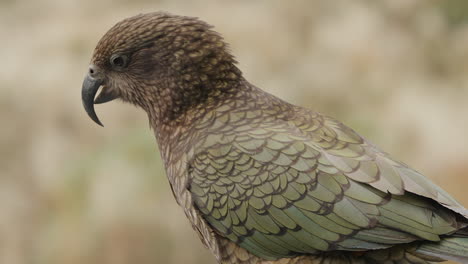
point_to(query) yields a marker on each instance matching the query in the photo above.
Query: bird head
(163, 63)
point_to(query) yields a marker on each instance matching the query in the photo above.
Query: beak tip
(94, 117)
(99, 123)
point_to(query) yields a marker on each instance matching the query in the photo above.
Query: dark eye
(119, 61)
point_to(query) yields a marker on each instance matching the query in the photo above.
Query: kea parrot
(261, 180)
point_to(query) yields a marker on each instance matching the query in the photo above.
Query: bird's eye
(119, 61)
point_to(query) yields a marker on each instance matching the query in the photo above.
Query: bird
(261, 180)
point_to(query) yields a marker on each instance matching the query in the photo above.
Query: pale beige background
(72, 192)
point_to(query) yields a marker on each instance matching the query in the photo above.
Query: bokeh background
(73, 192)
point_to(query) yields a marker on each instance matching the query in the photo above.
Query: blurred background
(73, 192)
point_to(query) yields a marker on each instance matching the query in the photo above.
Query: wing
(280, 189)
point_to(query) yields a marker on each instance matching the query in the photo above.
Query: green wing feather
(280, 189)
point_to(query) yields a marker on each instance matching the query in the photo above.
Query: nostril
(92, 70)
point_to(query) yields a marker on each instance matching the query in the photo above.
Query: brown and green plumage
(261, 180)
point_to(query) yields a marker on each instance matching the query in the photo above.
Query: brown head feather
(174, 63)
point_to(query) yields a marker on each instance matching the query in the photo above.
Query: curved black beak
(88, 92)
